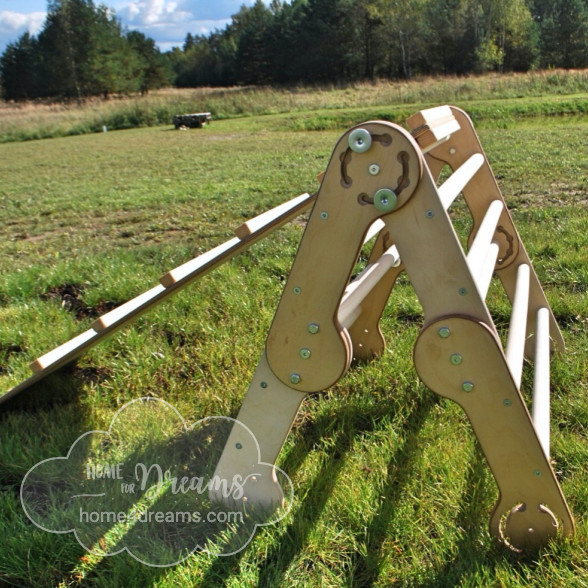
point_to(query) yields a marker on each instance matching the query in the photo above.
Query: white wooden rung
(459, 179)
(515, 344)
(541, 400)
(197, 265)
(266, 218)
(357, 290)
(484, 275)
(374, 229)
(481, 259)
(126, 311)
(64, 352)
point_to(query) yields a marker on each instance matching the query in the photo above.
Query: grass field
(550, 92)
(390, 486)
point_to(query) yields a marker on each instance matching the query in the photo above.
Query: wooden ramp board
(172, 282)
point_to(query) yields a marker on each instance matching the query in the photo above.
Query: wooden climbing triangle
(383, 180)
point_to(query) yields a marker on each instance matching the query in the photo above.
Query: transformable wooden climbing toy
(381, 180)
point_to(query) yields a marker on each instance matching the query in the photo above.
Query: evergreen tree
(81, 51)
(446, 30)
(326, 41)
(564, 33)
(150, 67)
(252, 58)
(19, 69)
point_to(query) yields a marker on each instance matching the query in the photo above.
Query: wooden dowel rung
(269, 216)
(357, 290)
(203, 262)
(374, 229)
(130, 309)
(483, 274)
(65, 352)
(457, 181)
(479, 255)
(541, 401)
(515, 344)
(349, 315)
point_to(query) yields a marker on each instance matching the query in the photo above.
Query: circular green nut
(456, 358)
(467, 386)
(444, 332)
(295, 378)
(313, 328)
(305, 353)
(385, 200)
(360, 140)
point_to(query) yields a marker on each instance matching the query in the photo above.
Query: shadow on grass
(343, 429)
(157, 465)
(471, 555)
(340, 430)
(56, 389)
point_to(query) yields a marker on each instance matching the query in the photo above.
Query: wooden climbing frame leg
(267, 412)
(461, 359)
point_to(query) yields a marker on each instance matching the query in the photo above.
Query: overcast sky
(165, 21)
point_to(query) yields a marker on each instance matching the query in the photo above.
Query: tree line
(303, 41)
(82, 49)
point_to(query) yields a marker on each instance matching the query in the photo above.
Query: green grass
(390, 484)
(325, 107)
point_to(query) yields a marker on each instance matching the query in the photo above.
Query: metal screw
(324, 215)
(263, 384)
(507, 402)
(444, 332)
(452, 151)
(374, 169)
(360, 140)
(313, 328)
(238, 446)
(462, 291)
(537, 472)
(305, 353)
(297, 289)
(456, 358)
(295, 378)
(429, 214)
(467, 386)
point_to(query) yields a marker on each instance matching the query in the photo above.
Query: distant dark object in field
(191, 121)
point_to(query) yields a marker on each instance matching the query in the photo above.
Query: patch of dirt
(92, 374)
(70, 296)
(6, 350)
(32, 238)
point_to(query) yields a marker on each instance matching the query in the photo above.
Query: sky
(165, 21)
